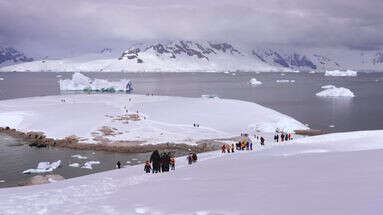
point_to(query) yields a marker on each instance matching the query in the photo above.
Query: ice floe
(254, 81)
(89, 164)
(79, 157)
(285, 81)
(44, 167)
(74, 165)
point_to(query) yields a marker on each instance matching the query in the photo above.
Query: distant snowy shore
(104, 118)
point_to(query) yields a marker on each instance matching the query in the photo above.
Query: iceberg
(88, 165)
(44, 167)
(254, 81)
(80, 82)
(332, 91)
(339, 73)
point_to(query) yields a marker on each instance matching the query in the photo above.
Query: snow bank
(89, 164)
(340, 73)
(44, 167)
(254, 81)
(84, 83)
(332, 91)
(280, 171)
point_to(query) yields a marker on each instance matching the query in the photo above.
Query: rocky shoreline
(38, 139)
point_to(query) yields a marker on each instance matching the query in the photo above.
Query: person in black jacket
(262, 141)
(155, 159)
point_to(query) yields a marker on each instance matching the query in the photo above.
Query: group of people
(160, 162)
(165, 161)
(282, 137)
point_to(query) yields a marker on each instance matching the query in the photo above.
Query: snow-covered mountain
(193, 56)
(9, 55)
(176, 56)
(295, 60)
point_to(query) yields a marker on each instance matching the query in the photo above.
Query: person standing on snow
(147, 167)
(228, 147)
(155, 159)
(232, 148)
(223, 148)
(282, 137)
(173, 163)
(262, 141)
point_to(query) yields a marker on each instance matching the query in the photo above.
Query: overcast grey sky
(74, 26)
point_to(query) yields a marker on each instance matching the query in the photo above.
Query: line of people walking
(282, 137)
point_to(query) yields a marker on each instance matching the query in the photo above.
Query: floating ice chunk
(285, 81)
(58, 76)
(336, 92)
(79, 157)
(80, 82)
(312, 72)
(328, 87)
(331, 126)
(254, 81)
(2, 181)
(74, 165)
(1, 79)
(44, 167)
(341, 73)
(89, 164)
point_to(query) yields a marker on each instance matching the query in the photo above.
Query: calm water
(295, 99)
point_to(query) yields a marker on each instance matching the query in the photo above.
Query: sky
(68, 27)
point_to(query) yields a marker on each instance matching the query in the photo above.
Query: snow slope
(335, 174)
(161, 119)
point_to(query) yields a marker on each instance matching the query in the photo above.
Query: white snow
(162, 119)
(84, 83)
(74, 165)
(89, 164)
(79, 157)
(332, 91)
(341, 73)
(328, 174)
(254, 81)
(44, 167)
